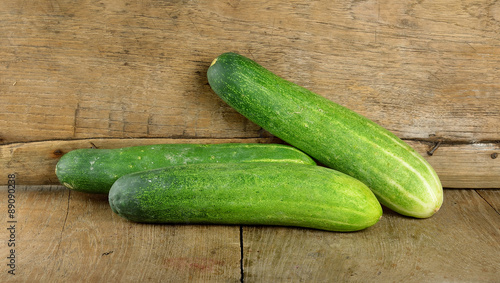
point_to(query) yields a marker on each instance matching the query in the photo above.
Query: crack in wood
(64, 224)
(479, 194)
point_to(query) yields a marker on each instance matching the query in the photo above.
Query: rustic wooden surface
(34, 162)
(459, 244)
(426, 70)
(112, 73)
(65, 236)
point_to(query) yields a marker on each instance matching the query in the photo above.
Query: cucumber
(335, 136)
(246, 194)
(95, 170)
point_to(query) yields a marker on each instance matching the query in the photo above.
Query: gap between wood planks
(242, 274)
(435, 144)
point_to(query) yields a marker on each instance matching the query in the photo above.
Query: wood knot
(494, 155)
(57, 153)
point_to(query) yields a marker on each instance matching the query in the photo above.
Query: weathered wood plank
(34, 163)
(88, 69)
(127, 72)
(461, 243)
(64, 236)
(458, 165)
(475, 165)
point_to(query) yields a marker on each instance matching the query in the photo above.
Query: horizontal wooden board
(460, 243)
(475, 165)
(425, 70)
(62, 236)
(458, 165)
(34, 163)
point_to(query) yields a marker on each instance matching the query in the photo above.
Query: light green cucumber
(95, 170)
(247, 194)
(332, 134)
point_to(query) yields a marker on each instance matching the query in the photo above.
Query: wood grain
(460, 243)
(458, 165)
(491, 197)
(475, 165)
(113, 73)
(425, 70)
(67, 236)
(34, 163)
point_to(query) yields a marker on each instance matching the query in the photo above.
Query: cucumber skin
(335, 136)
(246, 194)
(95, 170)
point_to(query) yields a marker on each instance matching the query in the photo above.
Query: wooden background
(112, 73)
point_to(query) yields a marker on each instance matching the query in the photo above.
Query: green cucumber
(95, 170)
(246, 194)
(335, 136)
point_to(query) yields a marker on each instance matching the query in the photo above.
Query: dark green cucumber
(95, 170)
(332, 134)
(247, 194)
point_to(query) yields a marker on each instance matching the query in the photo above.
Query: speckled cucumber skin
(95, 170)
(332, 134)
(247, 194)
